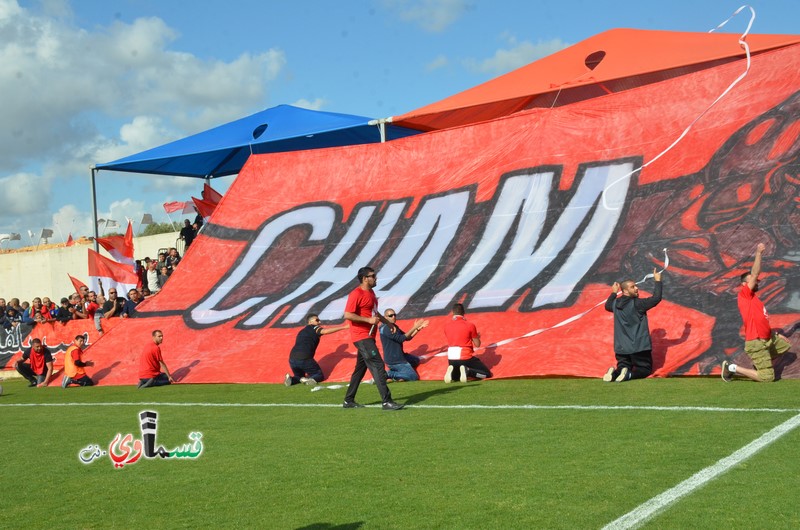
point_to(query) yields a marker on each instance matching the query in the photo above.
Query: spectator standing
(187, 234)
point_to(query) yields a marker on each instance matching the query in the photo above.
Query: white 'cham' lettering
(525, 261)
(320, 218)
(329, 272)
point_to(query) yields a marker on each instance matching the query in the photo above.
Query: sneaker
(352, 405)
(391, 405)
(310, 381)
(609, 376)
(145, 384)
(368, 381)
(624, 375)
(448, 375)
(287, 380)
(32, 384)
(726, 374)
(463, 370)
(65, 381)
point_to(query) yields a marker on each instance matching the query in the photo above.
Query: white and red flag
(120, 247)
(112, 274)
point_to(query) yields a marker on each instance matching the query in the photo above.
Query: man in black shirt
(301, 358)
(632, 345)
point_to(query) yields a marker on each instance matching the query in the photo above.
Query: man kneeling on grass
(74, 365)
(153, 370)
(761, 344)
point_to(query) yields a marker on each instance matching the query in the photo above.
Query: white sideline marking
(654, 506)
(411, 406)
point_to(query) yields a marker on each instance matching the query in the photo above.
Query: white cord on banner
(563, 322)
(743, 44)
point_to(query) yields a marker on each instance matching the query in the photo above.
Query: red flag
(210, 194)
(76, 283)
(204, 208)
(70, 241)
(174, 206)
(120, 247)
(112, 274)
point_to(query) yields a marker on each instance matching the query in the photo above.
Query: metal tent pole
(94, 211)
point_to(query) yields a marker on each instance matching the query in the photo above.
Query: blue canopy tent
(223, 150)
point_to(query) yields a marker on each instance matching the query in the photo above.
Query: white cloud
(432, 15)
(68, 219)
(317, 104)
(22, 193)
(439, 62)
(73, 97)
(519, 54)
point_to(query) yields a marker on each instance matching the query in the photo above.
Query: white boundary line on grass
(651, 508)
(413, 406)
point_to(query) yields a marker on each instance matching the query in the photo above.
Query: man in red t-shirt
(362, 312)
(761, 344)
(40, 369)
(462, 339)
(153, 370)
(74, 373)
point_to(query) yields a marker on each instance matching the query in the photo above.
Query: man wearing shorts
(761, 344)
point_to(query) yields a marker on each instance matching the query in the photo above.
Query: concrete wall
(25, 274)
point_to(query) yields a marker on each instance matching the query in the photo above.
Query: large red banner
(527, 220)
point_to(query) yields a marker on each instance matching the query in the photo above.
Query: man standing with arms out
(760, 343)
(462, 339)
(632, 345)
(74, 373)
(402, 366)
(153, 370)
(362, 312)
(301, 358)
(40, 369)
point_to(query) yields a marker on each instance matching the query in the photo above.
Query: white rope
(560, 324)
(743, 44)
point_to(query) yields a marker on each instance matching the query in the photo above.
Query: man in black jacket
(632, 346)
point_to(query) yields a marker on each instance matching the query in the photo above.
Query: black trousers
(27, 372)
(475, 368)
(83, 381)
(640, 364)
(368, 357)
(159, 380)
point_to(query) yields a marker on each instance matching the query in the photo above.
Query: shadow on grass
(329, 526)
(422, 396)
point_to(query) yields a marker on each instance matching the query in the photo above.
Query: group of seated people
(87, 304)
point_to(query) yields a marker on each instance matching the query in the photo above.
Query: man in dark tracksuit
(632, 346)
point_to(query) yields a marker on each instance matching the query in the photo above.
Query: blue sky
(90, 81)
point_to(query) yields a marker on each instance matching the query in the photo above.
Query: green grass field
(542, 453)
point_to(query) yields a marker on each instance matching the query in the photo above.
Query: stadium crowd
(87, 304)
